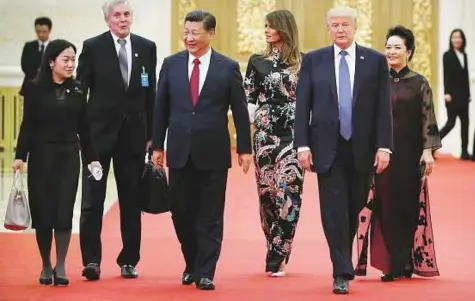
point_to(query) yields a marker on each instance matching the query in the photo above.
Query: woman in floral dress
(270, 83)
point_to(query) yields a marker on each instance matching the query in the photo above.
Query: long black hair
(464, 41)
(53, 50)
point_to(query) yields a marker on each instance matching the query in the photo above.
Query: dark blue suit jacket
(317, 117)
(200, 132)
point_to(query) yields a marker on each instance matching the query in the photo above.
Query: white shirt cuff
(252, 111)
(387, 150)
(302, 149)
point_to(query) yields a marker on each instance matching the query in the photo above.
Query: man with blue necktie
(343, 130)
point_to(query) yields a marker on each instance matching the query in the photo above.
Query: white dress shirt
(45, 43)
(461, 58)
(203, 66)
(351, 61)
(128, 49)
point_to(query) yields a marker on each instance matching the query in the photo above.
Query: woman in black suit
(457, 88)
(54, 117)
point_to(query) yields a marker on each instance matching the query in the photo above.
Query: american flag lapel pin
(361, 57)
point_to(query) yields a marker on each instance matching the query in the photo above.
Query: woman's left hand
(429, 161)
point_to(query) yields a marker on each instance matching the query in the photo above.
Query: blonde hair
(284, 22)
(342, 11)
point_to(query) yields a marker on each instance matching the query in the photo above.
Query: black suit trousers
(198, 198)
(128, 167)
(343, 192)
(460, 111)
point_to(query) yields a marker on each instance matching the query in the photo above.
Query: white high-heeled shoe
(281, 272)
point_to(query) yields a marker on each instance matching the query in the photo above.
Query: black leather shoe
(408, 274)
(387, 277)
(465, 156)
(59, 280)
(128, 272)
(187, 279)
(92, 271)
(206, 284)
(340, 286)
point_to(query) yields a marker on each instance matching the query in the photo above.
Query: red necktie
(195, 81)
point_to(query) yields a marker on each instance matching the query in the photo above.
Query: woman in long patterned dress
(270, 83)
(401, 231)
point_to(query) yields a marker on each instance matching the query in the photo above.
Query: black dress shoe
(59, 280)
(387, 277)
(465, 156)
(205, 284)
(128, 272)
(340, 286)
(408, 274)
(187, 279)
(92, 271)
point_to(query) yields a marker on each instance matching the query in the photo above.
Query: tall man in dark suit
(196, 87)
(33, 51)
(343, 127)
(119, 69)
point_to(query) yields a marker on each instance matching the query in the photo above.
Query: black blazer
(456, 79)
(30, 62)
(112, 108)
(54, 113)
(317, 117)
(200, 132)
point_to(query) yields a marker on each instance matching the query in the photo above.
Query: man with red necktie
(195, 90)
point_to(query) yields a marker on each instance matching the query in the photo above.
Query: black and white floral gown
(270, 89)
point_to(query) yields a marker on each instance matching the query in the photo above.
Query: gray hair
(109, 5)
(342, 11)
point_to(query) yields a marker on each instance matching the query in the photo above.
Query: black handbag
(154, 195)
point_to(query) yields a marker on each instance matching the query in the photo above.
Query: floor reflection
(6, 180)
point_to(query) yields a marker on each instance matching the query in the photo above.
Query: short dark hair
(209, 21)
(53, 50)
(462, 34)
(44, 21)
(406, 35)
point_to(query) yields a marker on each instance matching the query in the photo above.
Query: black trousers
(128, 167)
(343, 193)
(197, 208)
(452, 113)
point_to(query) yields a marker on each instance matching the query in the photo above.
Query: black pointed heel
(59, 280)
(46, 281)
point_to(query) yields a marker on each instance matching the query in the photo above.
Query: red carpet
(240, 273)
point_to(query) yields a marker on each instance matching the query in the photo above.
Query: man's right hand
(448, 98)
(305, 159)
(157, 158)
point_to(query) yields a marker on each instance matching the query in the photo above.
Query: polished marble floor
(6, 180)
